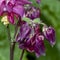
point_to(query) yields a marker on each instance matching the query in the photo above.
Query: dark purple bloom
(25, 30)
(31, 40)
(12, 7)
(36, 45)
(49, 33)
(37, 29)
(32, 13)
(39, 47)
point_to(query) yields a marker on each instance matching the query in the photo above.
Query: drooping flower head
(12, 8)
(30, 36)
(32, 13)
(49, 34)
(30, 39)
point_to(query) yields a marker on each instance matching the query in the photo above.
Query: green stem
(22, 55)
(12, 44)
(8, 32)
(12, 48)
(9, 38)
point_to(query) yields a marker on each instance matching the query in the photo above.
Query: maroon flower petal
(9, 7)
(49, 33)
(19, 10)
(37, 29)
(11, 18)
(31, 43)
(39, 46)
(2, 7)
(32, 13)
(24, 32)
(12, 1)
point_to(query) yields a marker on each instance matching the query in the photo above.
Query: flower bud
(49, 33)
(33, 13)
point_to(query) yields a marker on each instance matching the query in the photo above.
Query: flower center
(5, 20)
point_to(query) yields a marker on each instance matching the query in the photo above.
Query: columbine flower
(25, 30)
(12, 8)
(32, 13)
(39, 46)
(49, 33)
(31, 39)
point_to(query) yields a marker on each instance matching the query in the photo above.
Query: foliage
(50, 14)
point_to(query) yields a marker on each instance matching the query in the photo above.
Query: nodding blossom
(32, 13)
(12, 8)
(49, 34)
(31, 36)
(31, 39)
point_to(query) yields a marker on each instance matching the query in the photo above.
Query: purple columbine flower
(32, 13)
(30, 39)
(39, 47)
(25, 30)
(49, 33)
(12, 8)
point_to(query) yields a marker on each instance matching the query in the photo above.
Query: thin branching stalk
(12, 44)
(22, 54)
(9, 38)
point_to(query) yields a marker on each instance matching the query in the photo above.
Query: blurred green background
(50, 14)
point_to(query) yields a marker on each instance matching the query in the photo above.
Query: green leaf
(37, 20)
(26, 19)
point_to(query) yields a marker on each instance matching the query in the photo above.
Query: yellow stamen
(5, 20)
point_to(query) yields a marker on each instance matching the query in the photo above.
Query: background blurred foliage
(50, 14)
